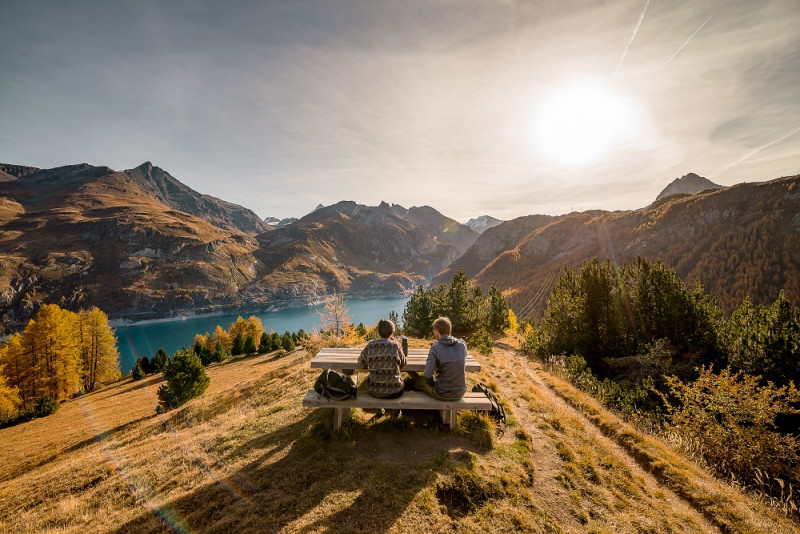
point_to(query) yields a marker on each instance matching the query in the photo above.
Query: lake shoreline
(144, 338)
(245, 310)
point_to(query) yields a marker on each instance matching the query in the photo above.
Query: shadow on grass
(304, 478)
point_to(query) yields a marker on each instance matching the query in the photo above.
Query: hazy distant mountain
(482, 223)
(740, 241)
(277, 223)
(351, 247)
(688, 184)
(493, 242)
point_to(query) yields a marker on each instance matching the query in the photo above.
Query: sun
(581, 122)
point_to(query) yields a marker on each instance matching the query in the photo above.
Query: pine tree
(459, 301)
(396, 320)
(263, 344)
(185, 375)
(220, 352)
(249, 345)
(498, 310)
(418, 314)
(238, 345)
(275, 341)
(161, 359)
(287, 343)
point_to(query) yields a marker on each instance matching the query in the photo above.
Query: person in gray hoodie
(444, 377)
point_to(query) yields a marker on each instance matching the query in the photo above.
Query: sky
(474, 107)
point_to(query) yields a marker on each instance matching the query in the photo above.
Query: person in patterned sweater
(384, 358)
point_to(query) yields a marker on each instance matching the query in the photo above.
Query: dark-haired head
(385, 328)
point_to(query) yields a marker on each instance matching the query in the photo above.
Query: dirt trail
(560, 435)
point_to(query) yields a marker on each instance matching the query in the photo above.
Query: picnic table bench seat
(410, 400)
(346, 359)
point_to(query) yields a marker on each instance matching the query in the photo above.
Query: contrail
(627, 46)
(690, 38)
(756, 151)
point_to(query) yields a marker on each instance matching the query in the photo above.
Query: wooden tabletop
(347, 358)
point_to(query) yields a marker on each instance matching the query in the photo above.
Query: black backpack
(497, 413)
(334, 385)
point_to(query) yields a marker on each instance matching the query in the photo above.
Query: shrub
(167, 399)
(160, 360)
(45, 406)
(481, 341)
(186, 377)
(136, 372)
(730, 419)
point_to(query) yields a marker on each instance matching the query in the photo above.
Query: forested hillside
(742, 241)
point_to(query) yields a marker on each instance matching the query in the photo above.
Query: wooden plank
(410, 400)
(415, 362)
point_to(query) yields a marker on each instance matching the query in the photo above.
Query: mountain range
(140, 244)
(740, 242)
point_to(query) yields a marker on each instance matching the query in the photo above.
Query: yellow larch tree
(98, 348)
(55, 358)
(221, 335)
(10, 400)
(251, 327)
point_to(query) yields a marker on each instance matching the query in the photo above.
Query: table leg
(340, 415)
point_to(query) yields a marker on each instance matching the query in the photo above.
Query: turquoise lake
(138, 340)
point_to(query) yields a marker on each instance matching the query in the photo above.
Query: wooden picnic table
(347, 358)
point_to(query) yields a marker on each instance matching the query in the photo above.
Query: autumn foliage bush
(729, 419)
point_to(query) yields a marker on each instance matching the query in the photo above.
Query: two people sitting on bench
(383, 357)
(444, 377)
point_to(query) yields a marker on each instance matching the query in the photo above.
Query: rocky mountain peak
(688, 184)
(483, 223)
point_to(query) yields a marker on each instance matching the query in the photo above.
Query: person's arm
(430, 367)
(362, 358)
(401, 354)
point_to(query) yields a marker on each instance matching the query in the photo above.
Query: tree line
(59, 354)
(466, 306)
(649, 346)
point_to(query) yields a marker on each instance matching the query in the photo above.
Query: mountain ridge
(688, 184)
(739, 241)
(142, 245)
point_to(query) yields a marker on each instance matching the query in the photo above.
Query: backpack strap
(497, 411)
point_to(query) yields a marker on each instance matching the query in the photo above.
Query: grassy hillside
(247, 457)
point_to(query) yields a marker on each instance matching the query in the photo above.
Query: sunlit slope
(740, 242)
(246, 457)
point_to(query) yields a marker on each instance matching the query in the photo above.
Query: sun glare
(578, 124)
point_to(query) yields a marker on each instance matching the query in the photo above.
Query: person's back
(447, 360)
(383, 357)
(445, 376)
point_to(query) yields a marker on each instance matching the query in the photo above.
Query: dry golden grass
(246, 457)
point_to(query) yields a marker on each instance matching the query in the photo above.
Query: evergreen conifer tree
(238, 345)
(498, 310)
(287, 343)
(249, 345)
